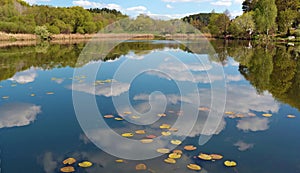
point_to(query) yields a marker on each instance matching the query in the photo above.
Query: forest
(260, 18)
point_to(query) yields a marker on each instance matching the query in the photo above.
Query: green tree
(42, 32)
(218, 24)
(243, 26)
(265, 15)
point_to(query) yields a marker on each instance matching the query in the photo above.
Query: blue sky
(153, 8)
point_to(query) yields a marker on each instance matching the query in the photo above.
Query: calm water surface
(39, 129)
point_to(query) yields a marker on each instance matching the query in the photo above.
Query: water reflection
(18, 114)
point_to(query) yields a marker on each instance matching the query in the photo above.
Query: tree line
(264, 17)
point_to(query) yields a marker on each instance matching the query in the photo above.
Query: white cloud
(91, 4)
(236, 13)
(185, 0)
(169, 6)
(18, 114)
(108, 89)
(49, 163)
(36, 1)
(138, 9)
(222, 3)
(253, 124)
(243, 146)
(238, 1)
(234, 77)
(25, 76)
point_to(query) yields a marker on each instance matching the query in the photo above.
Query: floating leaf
(177, 151)
(230, 163)
(127, 112)
(205, 156)
(119, 119)
(173, 129)
(151, 136)
(166, 133)
(108, 116)
(190, 147)
(32, 95)
(291, 116)
(85, 164)
(120, 161)
(161, 115)
(216, 156)
(5, 97)
(176, 142)
(267, 115)
(229, 113)
(69, 161)
(140, 167)
(203, 109)
(67, 169)
(140, 132)
(165, 126)
(194, 167)
(163, 150)
(146, 141)
(135, 117)
(175, 156)
(127, 135)
(170, 160)
(49, 93)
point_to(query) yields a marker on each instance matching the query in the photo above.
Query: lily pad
(32, 95)
(119, 119)
(291, 116)
(177, 151)
(229, 113)
(190, 147)
(166, 133)
(161, 115)
(140, 167)
(69, 161)
(230, 163)
(194, 167)
(120, 161)
(127, 135)
(140, 132)
(67, 169)
(151, 136)
(49, 93)
(176, 142)
(5, 97)
(173, 129)
(170, 160)
(135, 117)
(108, 116)
(165, 126)
(175, 156)
(267, 115)
(163, 150)
(127, 112)
(85, 164)
(146, 141)
(205, 156)
(216, 156)
(203, 109)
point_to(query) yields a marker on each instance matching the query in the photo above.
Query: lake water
(40, 126)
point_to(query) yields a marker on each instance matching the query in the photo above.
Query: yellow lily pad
(166, 133)
(229, 113)
(173, 129)
(67, 169)
(85, 164)
(108, 116)
(120, 161)
(140, 132)
(175, 156)
(140, 167)
(170, 160)
(161, 115)
(146, 141)
(49, 93)
(230, 163)
(216, 156)
(119, 119)
(190, 147)
(32, 95)
(176, 142)
(5, 97)
(69, 161)
(203, 109)
(205, 156)
(194, 167)
(163, 150)
(127, 112)
(127, 135)
(267, 115)
(291, 116)
(165, 126)
(135, 117)
(177, 151)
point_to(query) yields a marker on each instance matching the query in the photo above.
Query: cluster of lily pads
(71, 161)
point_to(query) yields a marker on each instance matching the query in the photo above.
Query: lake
(99, 101)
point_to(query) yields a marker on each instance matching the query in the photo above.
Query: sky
(154, 8)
